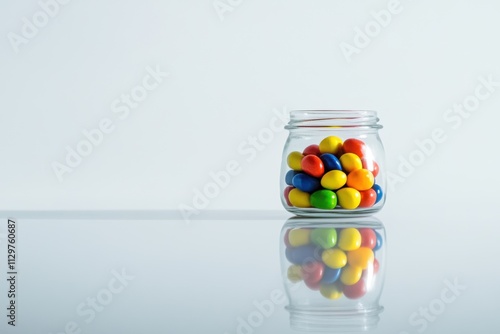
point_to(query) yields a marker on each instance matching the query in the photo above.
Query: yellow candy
(348, 198)
(294, 273)
(299, 198)
(334, 179)
(331, 291)
(351, 275)
(362, 257)
(334, 258)
(299, 237)
(349, 239)
(350, 162)
(331, 144)
(294, 159)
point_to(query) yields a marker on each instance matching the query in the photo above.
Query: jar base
(313, 212)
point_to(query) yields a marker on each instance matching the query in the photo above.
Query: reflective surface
(92, 275)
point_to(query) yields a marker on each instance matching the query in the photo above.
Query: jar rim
(333, 118)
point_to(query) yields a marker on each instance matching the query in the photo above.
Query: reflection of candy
(330, 275)
(334, 258)
(331, 291)
(368, 237)
(349, 239)
(323, 199)
(294, 273)
(299, 237)
(351, 275)
(324, 237)
(312, 272)
(356, 290)
(361, 257)
(379, 241)
(303, 254)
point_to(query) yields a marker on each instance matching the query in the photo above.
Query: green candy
(324, 237)
(324, 199)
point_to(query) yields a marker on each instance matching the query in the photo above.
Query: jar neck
(338, 119)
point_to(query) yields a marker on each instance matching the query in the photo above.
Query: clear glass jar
(333, 163)
(333, 272)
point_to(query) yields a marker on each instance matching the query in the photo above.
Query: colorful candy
(346, 169)
(337, 262)
(324, 199)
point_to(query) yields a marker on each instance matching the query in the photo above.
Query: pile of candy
(333, 174)
(336, 265)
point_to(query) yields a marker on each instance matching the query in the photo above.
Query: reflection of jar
(333, 164)
(333, 272)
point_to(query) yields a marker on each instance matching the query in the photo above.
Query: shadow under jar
(333, 163)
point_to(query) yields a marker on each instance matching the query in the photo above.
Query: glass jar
(333, 272)
(333, 163)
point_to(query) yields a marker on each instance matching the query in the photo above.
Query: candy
(324, 237)
(351, 275)
(348, 198)
(313, 285)
(334, 258)
(312, 149)
(330, 162)
(324, 199)
(305, 182)
(356, 290)
(289, 176)
(349, 239)
(294, 160)
(299, 198)
(376, 266)
(360, 179)
(350, 162)
(303, 254)
(334, 180)
(299, 237)
(368, 237)
(330, 275)
(362, 257)
(312, 272)
(287, 195)
(368, 198)
(294, 273)
(371, 165)
(331, 291)
(286, 239)
(378, 190)
(312, 165)
(355, 146)
(331, 144)
(379, 242)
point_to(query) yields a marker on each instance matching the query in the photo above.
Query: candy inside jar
(338, 174)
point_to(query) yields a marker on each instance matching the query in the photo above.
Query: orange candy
(360, 179)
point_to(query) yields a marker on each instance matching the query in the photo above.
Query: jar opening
(333, 118)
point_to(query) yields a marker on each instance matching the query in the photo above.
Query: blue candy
(303, 254)
(331, 162)
(379, 243)
(330, 275)
(378, 190)
(289, 176)
(306, 183)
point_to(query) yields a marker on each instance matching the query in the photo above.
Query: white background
(225, 78)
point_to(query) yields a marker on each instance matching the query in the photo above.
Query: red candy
(371, 165)
(312, 149)
(355, 291)
(312, 165)
(376, 266)
(355, 146)
(312, 272)
(368, 238)
(287, 191)
(313, 285)
(368, 198)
